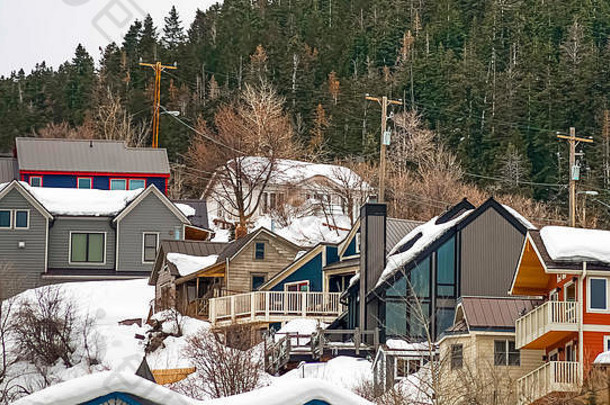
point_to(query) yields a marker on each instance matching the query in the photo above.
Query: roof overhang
(215, 270)
(532, 277)
(16, 185)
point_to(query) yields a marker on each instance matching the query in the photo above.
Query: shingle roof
(563, 265)
(80, 155)
(484, 313)
(396, 229)
(200, 219)
(8, 169)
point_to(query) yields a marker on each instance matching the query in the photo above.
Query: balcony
(547, 324)
(274, 306)
(553, 380)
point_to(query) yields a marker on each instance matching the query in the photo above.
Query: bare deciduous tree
(250, 135)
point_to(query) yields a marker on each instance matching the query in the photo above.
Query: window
(396, 318)
(598, 294)
(406, 367)
(419, 319)
(259, 253)
(35, 181)
(135, 184)
(5, 219)
(22, 219)
(444, 319)
(420, 279)
(445, 269)
(272, 201)
(150, 242)
(398, 288)
(84, 182)
(118, 184)
(569, 293)
(358, 242)
(457, 357)
(607, 343)
(87, 247)
(297, 286)
(257, 281)
(505, 353)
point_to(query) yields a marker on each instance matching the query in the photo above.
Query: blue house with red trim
(89, 164)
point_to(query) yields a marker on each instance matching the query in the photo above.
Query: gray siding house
(56, 235)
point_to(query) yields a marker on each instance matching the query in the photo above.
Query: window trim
(286, 285)
(157, 234)
(78, 179)
(596, 310)
(507, 353)
(118, 189)
(264, 250)
(357, 238)
(129, 184)
(10, 220)
(35, 177)
(14, 221)
(70, 262)
(606, 341)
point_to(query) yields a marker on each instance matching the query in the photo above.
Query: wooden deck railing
(272, 306)
(552, 377)
(550, 316)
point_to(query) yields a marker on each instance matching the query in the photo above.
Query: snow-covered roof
(293, 171)
(93, 386)
(399, 344)
(576, 244)
(81, 202)
(188, 264)
(603, 358)
(187, 210)
(420, 237)
(309, 230)
(519, 217)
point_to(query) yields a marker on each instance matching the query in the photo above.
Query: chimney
(372, 259)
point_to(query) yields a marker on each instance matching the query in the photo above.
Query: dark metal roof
(485, 313)
(396, 229)
(200, 219)
(84, 155)
(8, 169)
(575, 264)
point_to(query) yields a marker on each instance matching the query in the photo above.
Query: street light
(585, 193)
(172, 113)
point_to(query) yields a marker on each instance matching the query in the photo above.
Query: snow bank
(417, 387)
(430, 231)
(576, 244)
(302, 327)
(187, 210)
(519, 217)
(343, 371)
(309, 230)
(81, 202)
(294, 392)
(187, 264)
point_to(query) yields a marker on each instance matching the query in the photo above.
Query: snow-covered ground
(342, 371)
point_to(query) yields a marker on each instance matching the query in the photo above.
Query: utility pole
(574, 171)
(158, 68)
(385, 139)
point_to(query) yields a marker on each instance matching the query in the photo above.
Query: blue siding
(332, 254)
(99, 182)
(128, 399)
(351, 248)
(311, 270)
(318, 402)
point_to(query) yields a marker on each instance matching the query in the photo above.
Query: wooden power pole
(385, 139)
(573, 170)
(158, 68)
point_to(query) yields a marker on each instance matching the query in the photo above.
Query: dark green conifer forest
(494, 79)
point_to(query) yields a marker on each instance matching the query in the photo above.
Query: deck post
(357, 340)
(304, 303)
(232, 307)
(212, 310)
(252, 305)
(266, 305)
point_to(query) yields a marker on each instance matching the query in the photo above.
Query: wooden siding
(490, 250)
(479, 372)
(277, 256)
(24, 266)
(150, 215)
(59, 241)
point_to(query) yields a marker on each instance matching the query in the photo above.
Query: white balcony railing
(552, 377)
(548, 317)
(273, 306)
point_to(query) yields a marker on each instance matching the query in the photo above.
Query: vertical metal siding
(490, 249)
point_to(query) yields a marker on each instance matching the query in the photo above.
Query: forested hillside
(494, 79)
